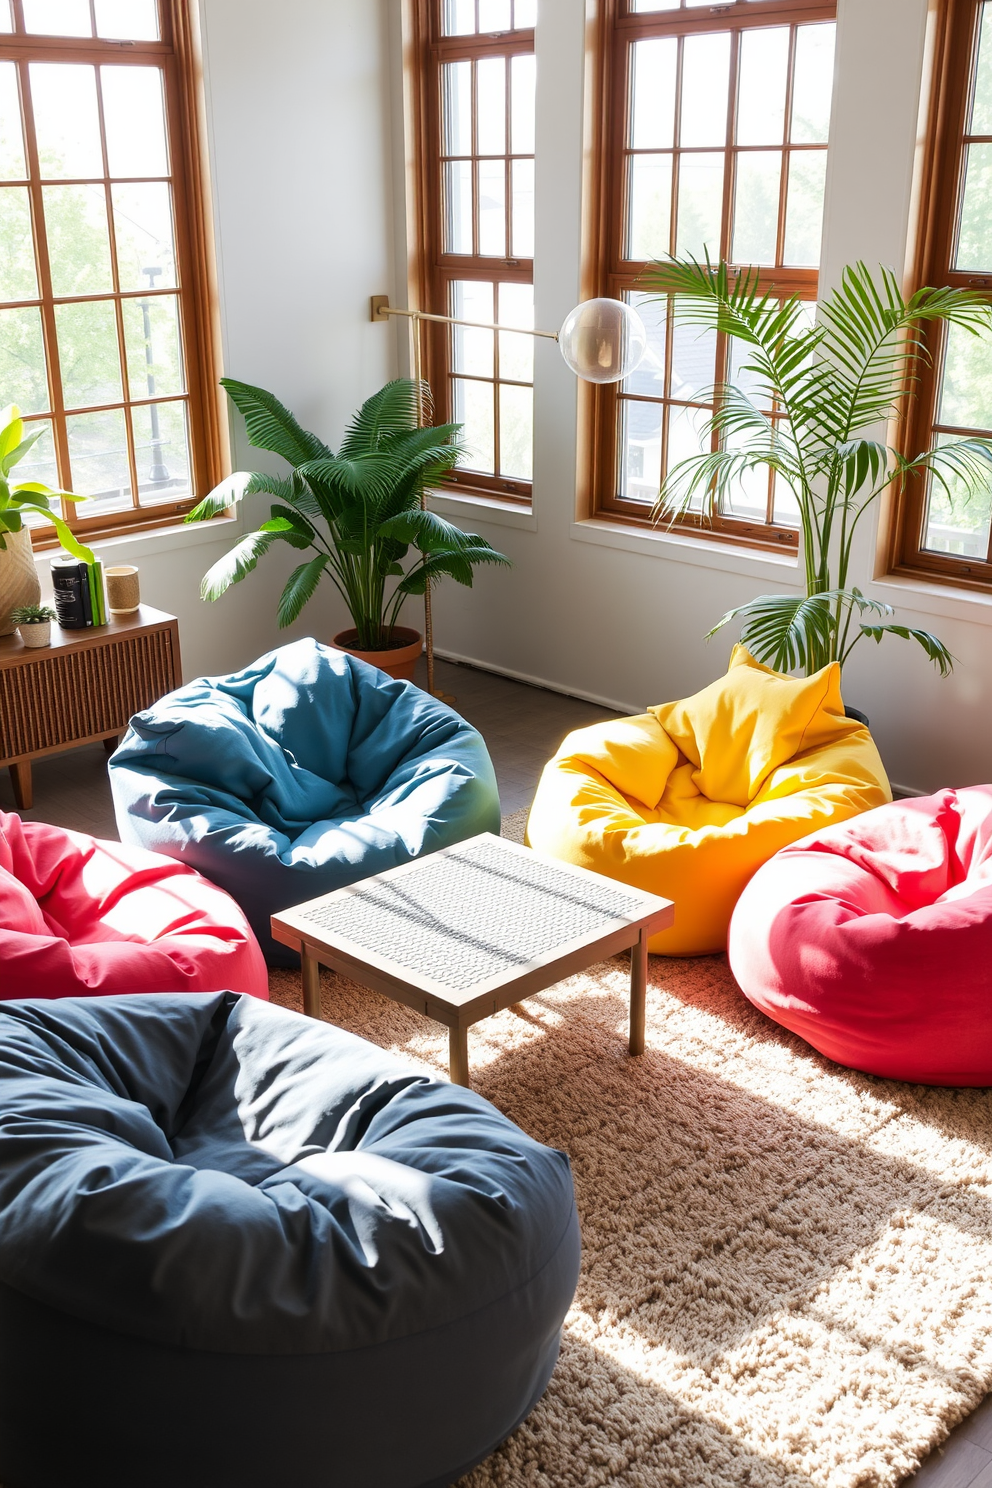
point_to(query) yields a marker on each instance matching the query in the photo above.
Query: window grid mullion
(43, 269)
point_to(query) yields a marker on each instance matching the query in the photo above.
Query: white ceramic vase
(37, 634)
(18, 577)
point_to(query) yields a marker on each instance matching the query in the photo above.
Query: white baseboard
(575, 692)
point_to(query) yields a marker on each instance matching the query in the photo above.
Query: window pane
(654, 65)
(813, 84)
(458, 18)
(456, 93)
(759, 174)
(134, 114)
(98, 455)
(39, 463)
(78, 239)
(12, 167)
(652, 5)
(981, 107)
(57, 17)
(473, 408)
(740, 374)
(127, 20)
(975, 233)
(761, 91)
(516, 432)
(146, 256)
(472, 349)
(650, 210)
(494, 15)
(516, 353)
(953, 523)
(491, 106)
(22, 361)
(705, 75)
(524, 14)
(693, 362)
(87, 336)
(966, 385)
(154, 347)
(686, 436)
(640, 450)
(161, 452)
(748, 496)
(522, 173)
(804, 211)
(18, 280)
(5, 21)
(786, 512)
(458, 206)
(492, 208)
(700, 205)
(66, 119)
(523, 78)
(649, 377)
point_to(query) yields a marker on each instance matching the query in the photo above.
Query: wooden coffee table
(471, 929)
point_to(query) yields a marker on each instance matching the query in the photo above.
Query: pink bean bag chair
(81, 918)
(873, 939)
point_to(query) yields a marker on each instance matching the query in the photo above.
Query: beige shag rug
(787, 1269)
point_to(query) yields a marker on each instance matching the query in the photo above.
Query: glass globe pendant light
(602, 340)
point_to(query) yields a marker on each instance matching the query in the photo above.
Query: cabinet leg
(638, 992)
(110, 743)
(458, 1057)
(311, 983)
(20, 776)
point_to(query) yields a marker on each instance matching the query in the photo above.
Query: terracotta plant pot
(398, 661)
(37, 634)
(18, 577)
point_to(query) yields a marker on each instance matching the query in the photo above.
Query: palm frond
(300, 587)
(935, 649)
(458, 566)
(235, 565)
(392, 410)
(785, 631)
(270, 424)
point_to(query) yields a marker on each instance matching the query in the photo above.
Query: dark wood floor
(523, 727)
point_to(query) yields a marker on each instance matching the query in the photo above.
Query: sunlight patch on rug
(784, 1263)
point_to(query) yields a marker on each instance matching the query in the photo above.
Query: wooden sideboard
(82, 687)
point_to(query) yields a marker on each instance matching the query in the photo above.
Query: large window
(938, 530)
(476, 155)
(714, 141)
(103, 320)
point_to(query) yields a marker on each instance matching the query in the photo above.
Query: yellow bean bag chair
(689, 799)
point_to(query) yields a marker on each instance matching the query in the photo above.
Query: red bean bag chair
(81, 918)
(873, 939)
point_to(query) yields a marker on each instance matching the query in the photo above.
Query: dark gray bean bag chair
(238, 1247)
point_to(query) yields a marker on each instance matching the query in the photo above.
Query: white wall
(298, 120)
(621, 617)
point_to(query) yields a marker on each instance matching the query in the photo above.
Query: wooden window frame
(610, 273)
(177, 53)
(435, 270)
(941, 191)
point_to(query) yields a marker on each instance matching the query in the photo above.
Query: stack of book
(79, 596)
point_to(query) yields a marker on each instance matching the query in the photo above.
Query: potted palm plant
(359, 510)
(831, 384)
(18, 576)
(34, 624)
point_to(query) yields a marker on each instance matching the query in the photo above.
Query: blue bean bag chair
(301, 774)
(241, 1249)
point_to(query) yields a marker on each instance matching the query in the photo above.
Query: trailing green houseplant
(832, 383)
(359, 510)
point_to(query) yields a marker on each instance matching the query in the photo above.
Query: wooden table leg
(20, 775)
(638, 992)
(110, 743)
(310, 967)
(458, 1057)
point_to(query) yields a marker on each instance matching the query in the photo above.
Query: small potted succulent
(34, 622)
